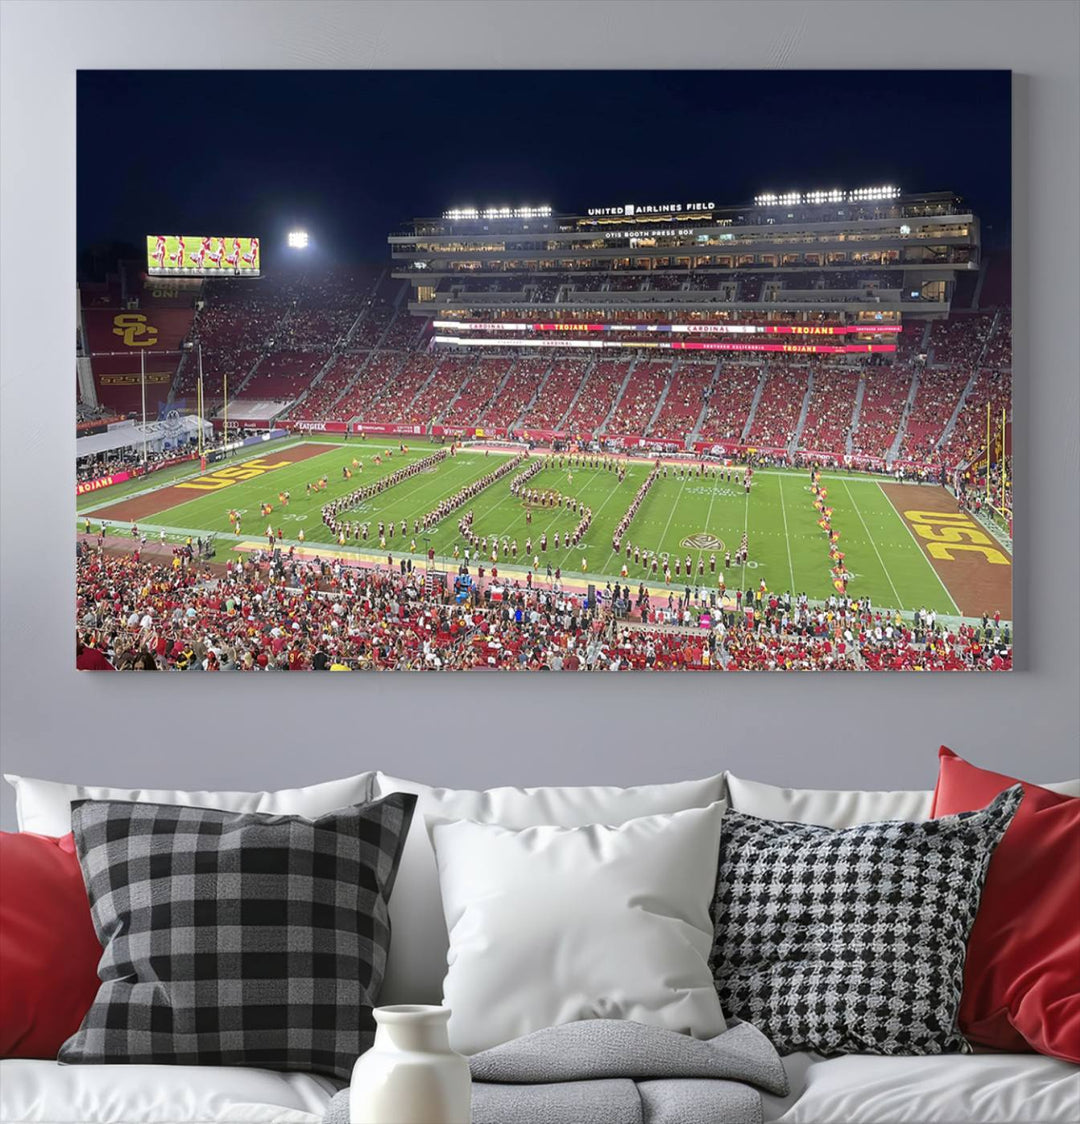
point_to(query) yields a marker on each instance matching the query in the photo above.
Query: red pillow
(48, 950)
(1022, 975)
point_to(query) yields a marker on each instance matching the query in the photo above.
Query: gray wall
(233, 731)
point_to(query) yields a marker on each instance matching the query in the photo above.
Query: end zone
(152, 503)
(973, 566)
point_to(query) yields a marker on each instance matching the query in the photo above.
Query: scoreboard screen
(198, 255)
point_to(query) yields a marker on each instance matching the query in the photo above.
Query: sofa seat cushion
(42, 1092)
(968, 1089)
(949, 1089)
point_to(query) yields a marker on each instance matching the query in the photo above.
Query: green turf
(787, 547)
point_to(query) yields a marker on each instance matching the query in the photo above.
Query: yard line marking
(610, 497)
(419, 488)
(888, 576)
(660, 541)
(944, 587)
(787, 537)
(674, 508)
(399, 496)
(708, 516)
(319, 533)
(746, 531)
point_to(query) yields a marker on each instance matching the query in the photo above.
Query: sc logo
(134, 330)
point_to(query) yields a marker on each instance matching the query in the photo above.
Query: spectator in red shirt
(88, 658)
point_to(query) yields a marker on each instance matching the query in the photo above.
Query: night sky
(352, 155)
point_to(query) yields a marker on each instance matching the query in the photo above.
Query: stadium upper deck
(863, 256)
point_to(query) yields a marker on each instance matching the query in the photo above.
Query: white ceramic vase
(410, 1075)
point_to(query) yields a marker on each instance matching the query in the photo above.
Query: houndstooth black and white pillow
(851, 941)
(236, 939)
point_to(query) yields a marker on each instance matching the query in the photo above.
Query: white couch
(969, 1089)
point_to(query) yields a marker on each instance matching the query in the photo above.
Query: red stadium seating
(319, 404)
(968, 438)
(434, 398)
(638, 403)
(682, 407)
(558, 392)
(882, 407)
(283, 375)
(404, 332)
(271, 338)
(518, 392)
(936, 399)
(376, 380)
(478, 391)
(781, 403)
(730, 402)
(597, 395)
(117, 339)
(401, 378)
(998, 354)
(959, 341)
(828, 419)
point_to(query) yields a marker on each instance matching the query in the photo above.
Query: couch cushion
(852, 940)
(954, 1089)
(1022, 975)
(44, 807)
(552, 925)
(418, 947)
(839, 807)
(825, 807)
(972, 1089)
(233, 939)
(42, 1092)
(49, 952)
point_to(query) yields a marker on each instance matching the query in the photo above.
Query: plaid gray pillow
(236, 938)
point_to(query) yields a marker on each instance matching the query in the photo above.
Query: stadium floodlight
(836, 195)
(469, 213)
(298, 239)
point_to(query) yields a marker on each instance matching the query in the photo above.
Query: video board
(198, 255)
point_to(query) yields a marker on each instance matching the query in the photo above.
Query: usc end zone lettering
(946, 532)
(214, 481)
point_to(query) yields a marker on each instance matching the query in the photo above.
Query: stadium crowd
(125, 460)
(273, 611)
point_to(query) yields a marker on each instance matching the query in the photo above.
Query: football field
(892, 535)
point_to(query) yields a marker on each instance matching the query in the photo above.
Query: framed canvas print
(612, 370)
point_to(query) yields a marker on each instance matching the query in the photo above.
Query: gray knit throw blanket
(606, 1071)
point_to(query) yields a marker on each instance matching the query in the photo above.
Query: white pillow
(418, 942)
(44, 807)
(551, 925)
(839, 808)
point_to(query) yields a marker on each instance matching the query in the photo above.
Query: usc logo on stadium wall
(134, 330)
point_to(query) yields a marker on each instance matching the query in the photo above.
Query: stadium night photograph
(537, 370)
